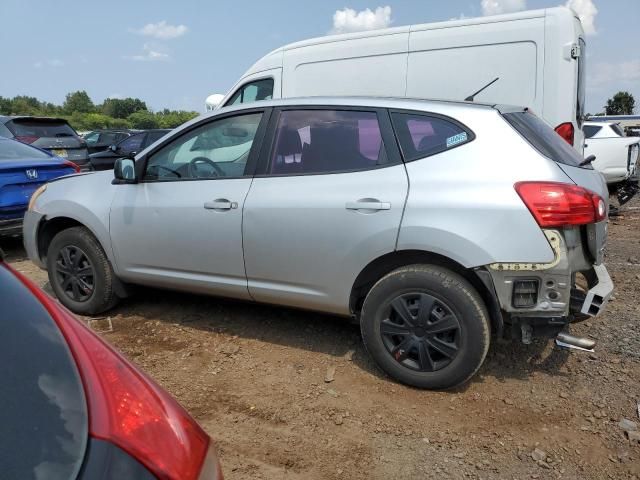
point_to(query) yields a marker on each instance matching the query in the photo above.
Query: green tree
(143, 119)
(5, 106)
(78, 102)
(122, 108)
(622, 103)
(25, 105)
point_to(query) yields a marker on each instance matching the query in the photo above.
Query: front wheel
(80, 273)
(426, 326)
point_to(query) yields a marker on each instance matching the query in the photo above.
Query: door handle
(368, 204)
(220, 204)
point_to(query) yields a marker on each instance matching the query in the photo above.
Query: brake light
(72, 165)
(566, 131)
(129, 410)
(29, 139)
(560, 204)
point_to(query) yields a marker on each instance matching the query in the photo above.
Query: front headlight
(35, 195)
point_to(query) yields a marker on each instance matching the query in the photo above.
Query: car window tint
(591, 130)
(40, 128)
(253, 92)
(617, 129)
(153, 136)
(131, 144)
(14, 150)
(92, 138)
(217, 149)
(324, 141)
(422, 135)
(543, 138)
(108, 138)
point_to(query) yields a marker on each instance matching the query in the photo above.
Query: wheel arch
(385, 264)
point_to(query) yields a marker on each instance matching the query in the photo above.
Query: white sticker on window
(456, 139)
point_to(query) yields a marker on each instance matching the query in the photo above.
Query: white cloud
(52, 62)
(162, 30)
(348, 20)
(148, 55)
(496, 7)
(587, 12)
(602, 74)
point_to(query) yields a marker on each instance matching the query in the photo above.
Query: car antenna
(470, 97)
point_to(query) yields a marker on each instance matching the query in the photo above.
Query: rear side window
(327, 141)
(616, 128)
(14, 150)
(40, 128)
(253, 92)
(422, 135)
(132, 144)
(543, 138)
(591, 130)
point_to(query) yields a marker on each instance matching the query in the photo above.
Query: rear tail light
(560, 204)
(566, 131)
(72, 165)
(129, 410)
(26, 138)
(525, 293)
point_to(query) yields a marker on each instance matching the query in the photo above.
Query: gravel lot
(255, 377)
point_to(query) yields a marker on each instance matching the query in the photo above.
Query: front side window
(108, 138)
(92, 138)
(217, 149)
(326, 141)
(421, 135)
(253, 92)
(131, 144)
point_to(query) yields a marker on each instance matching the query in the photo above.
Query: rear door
(327, 200)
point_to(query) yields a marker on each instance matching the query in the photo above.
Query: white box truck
(537, 56)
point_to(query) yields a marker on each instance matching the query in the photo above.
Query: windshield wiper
(587, 161)
(472, 96)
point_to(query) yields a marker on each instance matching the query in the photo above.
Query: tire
(446, 334)
(95, 288)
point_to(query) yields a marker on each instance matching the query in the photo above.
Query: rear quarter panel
(462, 203)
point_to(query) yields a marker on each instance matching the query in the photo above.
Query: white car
(616, 155)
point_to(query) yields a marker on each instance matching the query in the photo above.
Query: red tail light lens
(559, 204)
(566, 131)
(72, 165)
(129, 410)
(26, 138)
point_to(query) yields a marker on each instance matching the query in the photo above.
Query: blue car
(23, 169)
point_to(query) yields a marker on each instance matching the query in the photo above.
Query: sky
(173, 54)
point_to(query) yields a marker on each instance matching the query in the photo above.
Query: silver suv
(432, 223)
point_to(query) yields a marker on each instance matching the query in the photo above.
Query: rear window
(543, 138)
(590, 130)
(423, 135)
(13, 150)
(43, 415)
(40, 128)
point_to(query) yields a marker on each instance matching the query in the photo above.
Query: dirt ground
(254, 377)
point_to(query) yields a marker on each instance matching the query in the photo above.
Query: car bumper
(599, 293)
(30, 236)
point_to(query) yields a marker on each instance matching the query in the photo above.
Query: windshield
(543, 138)
(40, 128)
(12, 150)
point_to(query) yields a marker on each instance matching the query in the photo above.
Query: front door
(327, 199)
(181, 226)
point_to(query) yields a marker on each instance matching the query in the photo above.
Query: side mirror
(124, 171)
(113, 148)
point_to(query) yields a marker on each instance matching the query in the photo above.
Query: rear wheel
(80, 273)
(426, 326)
